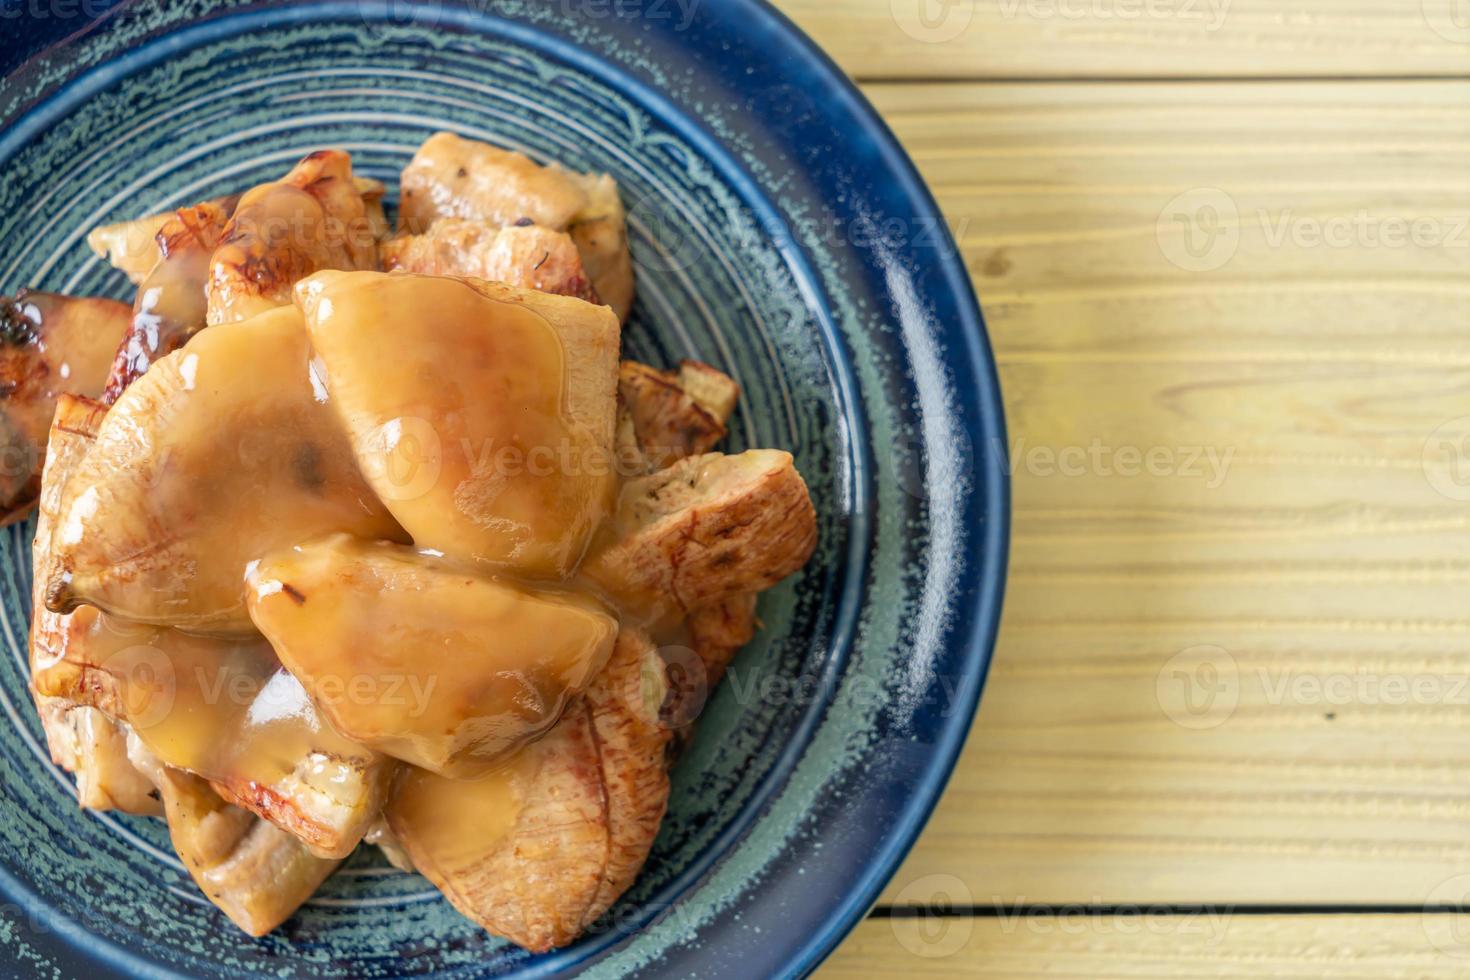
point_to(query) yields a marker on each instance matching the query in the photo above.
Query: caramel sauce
(170, 305)
(420, 658)
(222, 496)
(223, 710)
(49, 345)
(462, 411)
(314, 218)
(223, 452)
(450, 824)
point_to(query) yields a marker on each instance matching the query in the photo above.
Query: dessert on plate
(352, 535)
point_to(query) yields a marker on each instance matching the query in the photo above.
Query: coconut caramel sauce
(49, 345)
(171, 304)
(425, 658)
(488, 445)
(518, 388)
(222, 452)
(224, 710)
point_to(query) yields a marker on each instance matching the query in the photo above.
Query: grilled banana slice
(49, 345)
(82, 739)
(452, 177)
(538, 850)
(600, 231)
(685, 412)
(132, 246)
(225, 711)
(313, 218)
(170, 305)
(531, 256)
(705, 529)
(422, 658)
(221, 453)
(256, 874)
(481, 414)
(667, 422)
(718, 631)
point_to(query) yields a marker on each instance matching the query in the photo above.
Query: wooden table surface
(1223, 248)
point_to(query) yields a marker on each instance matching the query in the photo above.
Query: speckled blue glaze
(779, 233)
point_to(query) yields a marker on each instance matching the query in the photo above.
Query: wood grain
(1315, 576)
(1146, 945)
(968, 39)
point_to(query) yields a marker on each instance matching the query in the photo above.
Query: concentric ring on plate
(747, 259)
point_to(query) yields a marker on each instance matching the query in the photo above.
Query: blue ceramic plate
(779, 233)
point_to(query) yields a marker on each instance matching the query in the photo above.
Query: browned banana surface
(82, 739)
(170, 305)
(531, 256)
(256, 873)
(221, 453)
(453, 177)
(705, 529)
(600, 231)
(313, 218)
(49, 345)
(668, 422)
(539, 849)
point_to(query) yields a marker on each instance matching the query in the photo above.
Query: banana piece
(539, 849)
(667, 422)
(703, 530)
(170, 305)
(313, 218)
(481, 414)
(452, 177)
(131, 246)
(718, 631)
(106, 777)
(81, 738)
(50, 345)
(256, 874)
(531, 256)
(600, 232)
(221, 453)
(686, 412)
(423, 659)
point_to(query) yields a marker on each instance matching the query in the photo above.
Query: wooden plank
(1143, 944)
(1241, 475)
(969, 39)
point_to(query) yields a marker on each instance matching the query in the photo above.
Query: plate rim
(988, 555)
